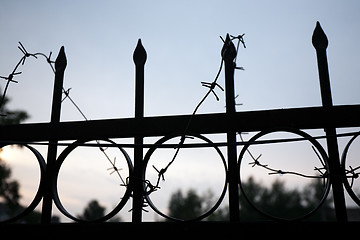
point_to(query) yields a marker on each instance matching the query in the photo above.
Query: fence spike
(139, 58)
(228, 52)
(319, 39)
(140, 55)
(61, 61)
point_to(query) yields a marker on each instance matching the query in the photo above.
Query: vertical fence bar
(139, 58)
(228, 54)
(320, 42)
(60, 65)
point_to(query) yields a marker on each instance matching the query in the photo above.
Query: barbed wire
(66, 92)
(353, 173)
(272, 171)
(211, 85)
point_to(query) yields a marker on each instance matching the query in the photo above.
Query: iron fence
(188, 131)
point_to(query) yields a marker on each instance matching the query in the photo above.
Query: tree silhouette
(276, 200)
(185, 207)
(9, 189)
(8, 117)
(94, 211)
(10, 197)
(280, 202)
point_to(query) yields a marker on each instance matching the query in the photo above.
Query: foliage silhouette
(185, 207)
(277, 200)
(284, 203)
(94, 211)
(8, 117)
(9, 188)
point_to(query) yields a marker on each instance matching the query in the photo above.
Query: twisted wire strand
(211, 85)
(273, 171)
(10, 79)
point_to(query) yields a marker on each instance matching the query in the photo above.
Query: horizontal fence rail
(302, 118)
(189, 131)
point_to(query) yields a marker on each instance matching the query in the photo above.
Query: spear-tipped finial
(228, 52)
(319, 39)
(139, 55)
(61, 62)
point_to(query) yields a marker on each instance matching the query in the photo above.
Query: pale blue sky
(183, 48)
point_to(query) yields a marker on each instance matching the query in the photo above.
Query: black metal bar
(60, 65)
(228, 54)
(320, 43)
(139, 60)
(301, 118)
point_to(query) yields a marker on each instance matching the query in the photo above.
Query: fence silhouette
(331, 169)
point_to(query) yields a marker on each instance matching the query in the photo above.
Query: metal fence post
(228, 54)
(320, 42)
(139, 58)
(60, 65)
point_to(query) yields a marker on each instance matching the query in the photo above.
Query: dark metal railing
(96, 133)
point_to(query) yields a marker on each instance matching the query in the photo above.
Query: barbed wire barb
(26, 53)
(211, 85)
(66, 93)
